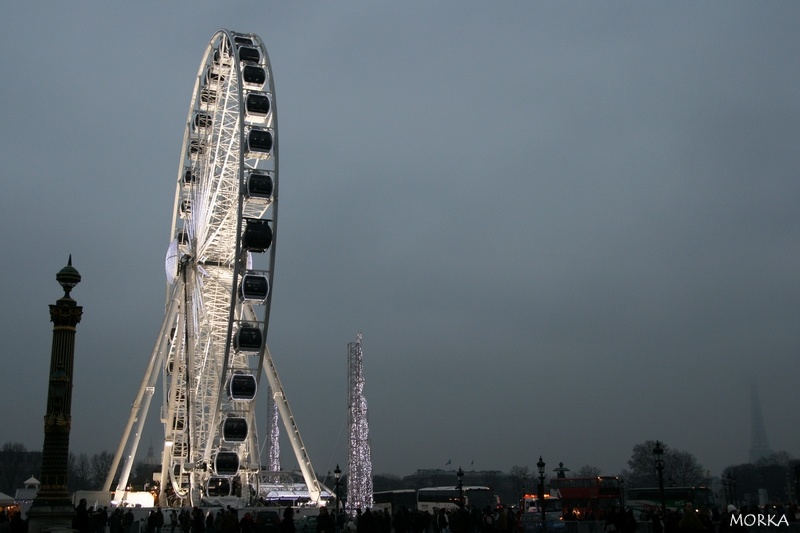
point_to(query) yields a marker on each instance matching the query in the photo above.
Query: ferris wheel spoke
(217, 399)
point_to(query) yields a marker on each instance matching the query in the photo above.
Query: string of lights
(274, 437)
(359, 479)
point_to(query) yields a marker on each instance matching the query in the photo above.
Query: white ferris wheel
(211, 350)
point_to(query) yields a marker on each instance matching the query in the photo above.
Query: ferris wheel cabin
(242, 387)
(248, 339)
(234, 429)
(257, 235)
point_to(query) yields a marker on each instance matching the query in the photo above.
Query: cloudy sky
(563, 228)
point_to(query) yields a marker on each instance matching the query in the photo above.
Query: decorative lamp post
(460, 476)
(52, 508)
(658, 454)
(337, 477)
(540, 466)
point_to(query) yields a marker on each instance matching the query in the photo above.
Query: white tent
(5, 499)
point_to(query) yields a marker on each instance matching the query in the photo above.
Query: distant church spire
(151, 459)
(759, 444)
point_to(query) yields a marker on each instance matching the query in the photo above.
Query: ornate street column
(52, 509)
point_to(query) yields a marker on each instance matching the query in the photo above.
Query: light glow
(359, 480)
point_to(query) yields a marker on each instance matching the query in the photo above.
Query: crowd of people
(404, 520)
(12, 523)
(507, 520)
(184, 520)
(712, 520)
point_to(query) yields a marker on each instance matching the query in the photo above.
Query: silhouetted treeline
(84, 472)
(16, 465)
(778, 474)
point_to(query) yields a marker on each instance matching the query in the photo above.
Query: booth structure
(23, 498)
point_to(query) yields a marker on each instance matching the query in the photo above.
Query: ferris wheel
(211, 350)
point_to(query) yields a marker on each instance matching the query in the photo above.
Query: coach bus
(431, 499)
(587, 498)
(649, 499)
(394, 500)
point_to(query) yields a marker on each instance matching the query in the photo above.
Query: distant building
(151, 459)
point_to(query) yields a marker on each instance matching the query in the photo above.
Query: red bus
(587, 498)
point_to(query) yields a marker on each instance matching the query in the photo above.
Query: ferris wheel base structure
(211, 352)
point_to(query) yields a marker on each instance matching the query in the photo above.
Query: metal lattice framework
(359, 478)
(211, 349)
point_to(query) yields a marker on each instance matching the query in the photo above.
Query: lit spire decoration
(359, 479)
(274, 436)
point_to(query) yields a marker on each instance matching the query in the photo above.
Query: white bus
(431, 499)
(649, 499)
(394, 500)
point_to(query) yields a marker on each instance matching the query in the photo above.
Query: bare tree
(522, 479)
(588, 471)
(12, 461)
(642, 466)
(521, 473)
(101, 464)
(680, 468)
(83, 471)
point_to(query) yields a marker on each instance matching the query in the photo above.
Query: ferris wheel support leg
(143, 398)
(167, 472)
(279, 397)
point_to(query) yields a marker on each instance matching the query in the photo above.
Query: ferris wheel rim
(210, 271)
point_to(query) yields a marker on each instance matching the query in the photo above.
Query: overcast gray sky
(563, 228)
